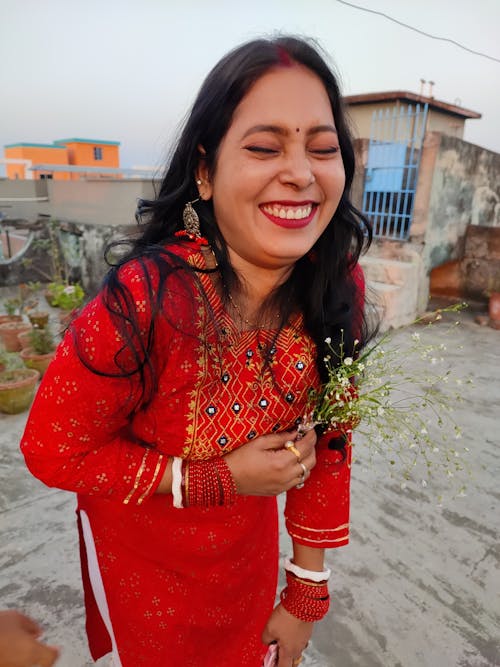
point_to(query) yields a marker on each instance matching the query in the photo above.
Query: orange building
(36, 161)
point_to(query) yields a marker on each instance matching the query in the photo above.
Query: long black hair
(321, 285)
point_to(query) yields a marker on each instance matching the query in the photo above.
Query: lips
(292, 215)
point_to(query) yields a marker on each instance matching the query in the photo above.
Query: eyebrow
(281, 131)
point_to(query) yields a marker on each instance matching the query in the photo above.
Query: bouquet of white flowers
(392, 405)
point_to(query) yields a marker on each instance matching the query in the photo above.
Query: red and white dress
(192, 586)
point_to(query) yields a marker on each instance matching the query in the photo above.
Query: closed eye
(262, 149)
(325, 151)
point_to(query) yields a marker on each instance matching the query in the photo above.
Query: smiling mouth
(290, 215)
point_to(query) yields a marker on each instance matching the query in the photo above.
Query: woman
(171, 407)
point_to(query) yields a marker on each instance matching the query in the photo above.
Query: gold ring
(290, 446)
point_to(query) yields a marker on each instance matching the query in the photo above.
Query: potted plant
(9, 332)
(39, 318)
(12, 309)
(41, 350)
(68, 298)
(17, 389)
(24, 338)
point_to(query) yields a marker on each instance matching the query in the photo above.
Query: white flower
(328, 340)
(348, 361)
(423, 431)
(69, 289)
(356, 342)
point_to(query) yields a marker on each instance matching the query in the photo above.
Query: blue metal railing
(394, 152)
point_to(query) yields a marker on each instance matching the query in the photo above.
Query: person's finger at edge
(46, 655)
(30, 625)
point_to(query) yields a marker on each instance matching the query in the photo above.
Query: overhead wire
(421, 32)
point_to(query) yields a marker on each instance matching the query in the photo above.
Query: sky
(128, 70)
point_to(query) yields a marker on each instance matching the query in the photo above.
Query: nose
(297, 171)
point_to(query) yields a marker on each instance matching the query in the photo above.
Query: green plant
(13, 306)
(67, 297)
(50, 247)
(10, 360)
(42, 341)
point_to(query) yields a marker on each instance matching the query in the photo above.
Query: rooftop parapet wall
(95, 202)
(465, 190)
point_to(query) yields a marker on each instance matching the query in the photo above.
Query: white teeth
(289, 213)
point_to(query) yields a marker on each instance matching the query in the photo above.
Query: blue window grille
(394, 151)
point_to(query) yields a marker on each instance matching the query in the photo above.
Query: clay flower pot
(39, 319)
(494, 310)
(25, 338)
(9, 332)
(17, 389)
(10, 318)
(39, 362)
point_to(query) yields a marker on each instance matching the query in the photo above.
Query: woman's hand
(291, 634)
(263, 467)
(19, 646)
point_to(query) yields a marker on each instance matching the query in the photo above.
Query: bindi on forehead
(297, 129)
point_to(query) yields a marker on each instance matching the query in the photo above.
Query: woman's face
(279, 174)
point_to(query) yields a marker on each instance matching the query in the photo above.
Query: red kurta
(188, 586)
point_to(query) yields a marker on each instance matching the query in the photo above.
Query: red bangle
(306, 600)
(208, 483)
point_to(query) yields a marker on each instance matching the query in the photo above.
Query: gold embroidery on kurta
(137, 479)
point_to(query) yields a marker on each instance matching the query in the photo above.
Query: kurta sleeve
(78, 434)
(317, 515)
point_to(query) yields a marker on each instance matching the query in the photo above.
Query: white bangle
(311, 575)
(177, 482)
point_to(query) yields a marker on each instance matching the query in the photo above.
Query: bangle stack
(306, 600)
(202, 483)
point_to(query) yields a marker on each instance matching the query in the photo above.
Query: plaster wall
(437, 121)
(23, 199)
(98, 202)
(465, 190)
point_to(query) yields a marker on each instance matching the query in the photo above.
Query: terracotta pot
(8, 334)
(17, 389)
(494, 310)
(25, 338)
(39, 362)
(39, 319)
(10, 318)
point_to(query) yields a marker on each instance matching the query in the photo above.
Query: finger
(266, 637)
(284, 658)
(29, 625)
(277, 440)
(46, 655)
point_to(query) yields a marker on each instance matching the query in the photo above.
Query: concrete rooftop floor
(418, 586)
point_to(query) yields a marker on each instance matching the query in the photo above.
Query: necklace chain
(242, 317)
(236, 307)
(238, 310)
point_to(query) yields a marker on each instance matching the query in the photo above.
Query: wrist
(306, 600)
(202, 483)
